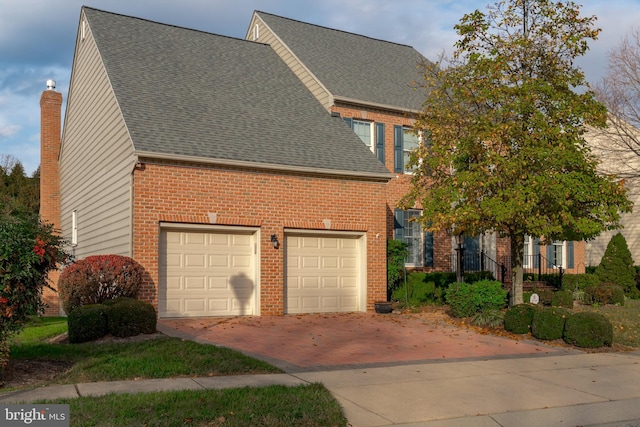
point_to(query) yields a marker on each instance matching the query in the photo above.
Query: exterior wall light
(274, 241)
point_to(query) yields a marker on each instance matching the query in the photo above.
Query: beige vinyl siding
(96, 160)
(267, 36)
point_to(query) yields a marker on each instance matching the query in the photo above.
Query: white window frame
(256, 32)
(562, 245)
(406, 153)
(527, 252)
(74, 228)
(372, 141)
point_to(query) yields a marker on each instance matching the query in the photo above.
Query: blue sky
(37, 38)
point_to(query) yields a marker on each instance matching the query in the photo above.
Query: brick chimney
(50, 115)
(50, 126)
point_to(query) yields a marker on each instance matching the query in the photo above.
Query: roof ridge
(334, 29)
(179, 27)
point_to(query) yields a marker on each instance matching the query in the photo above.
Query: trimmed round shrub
(605, 293)
(98, 278)
(562, 299)
(87, 323)
(518, 318)
(128, 317)
(548, 323)
(573, 282)
(545, 295)
(590, 330)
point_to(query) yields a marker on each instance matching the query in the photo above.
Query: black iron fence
(536, 267)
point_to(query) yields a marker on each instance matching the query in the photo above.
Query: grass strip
(305, 405)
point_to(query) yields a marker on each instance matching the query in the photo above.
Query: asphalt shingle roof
(354, 66)
(191, 93)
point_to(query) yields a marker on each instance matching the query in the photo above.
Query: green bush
(87, 323)
(604, 293)
(466, 300)
(459, 296)
(98, 278)
(549, 279)
(589, 330)
(518, 318)
(562, 299)
(128, 317)
(478, 276)
(617, 266)
(548, 323)
(573, 282)
(545, 295)
(422, 288)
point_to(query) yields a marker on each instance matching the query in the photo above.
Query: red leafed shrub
(99, 278)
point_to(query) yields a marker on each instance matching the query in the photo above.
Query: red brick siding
(50, 126)
(272, 201)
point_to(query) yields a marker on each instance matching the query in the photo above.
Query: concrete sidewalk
(582, 389)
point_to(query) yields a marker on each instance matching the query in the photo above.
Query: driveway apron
(297, 343)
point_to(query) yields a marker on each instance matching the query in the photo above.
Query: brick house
(206, 159)
(369, 82)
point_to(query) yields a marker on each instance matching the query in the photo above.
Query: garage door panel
(321, 274)
(205, 273)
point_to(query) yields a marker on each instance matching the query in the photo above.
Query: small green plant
(562, 299)
(128, 317)
(590, 330)
(548, 323)
(459, 296)
(518, 318)
(545, 296)
(491, 318)
(87, 323)
(397, 252)
(617, 266)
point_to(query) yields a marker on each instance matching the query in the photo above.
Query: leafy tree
(617, 267)
(397, 253)
(503, 126)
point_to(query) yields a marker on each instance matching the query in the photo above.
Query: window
(558, 254)
(531, 249)
(420, 242)
(74, 228)
(256, 32)
(364, 130)
(404, 141)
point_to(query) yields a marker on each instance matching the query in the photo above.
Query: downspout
(135, 165)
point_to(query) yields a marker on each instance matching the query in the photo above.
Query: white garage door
(322, 274)
(206, 273)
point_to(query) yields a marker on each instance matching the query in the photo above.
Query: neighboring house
(622, 160)
(204, 158)
(371, 83)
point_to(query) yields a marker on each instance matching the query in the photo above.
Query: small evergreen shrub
(572, 282)
(128, 317)
(397, 252)
(478, 276)
(466, 300)
(590, 330)
(562, 299)
(548, 323)
(604, 293)
(98, 278)
(617, 266)
(518, 318)
(87, 323)
(491, 318)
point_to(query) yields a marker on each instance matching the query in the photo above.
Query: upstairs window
(365, 131)
(404, 142)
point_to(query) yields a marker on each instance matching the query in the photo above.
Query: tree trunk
(517, 253)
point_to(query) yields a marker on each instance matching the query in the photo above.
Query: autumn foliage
(99, 278)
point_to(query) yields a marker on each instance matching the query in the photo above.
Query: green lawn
(164, 357)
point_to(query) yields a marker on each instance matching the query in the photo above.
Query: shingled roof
(194, 94)
(353, 66)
